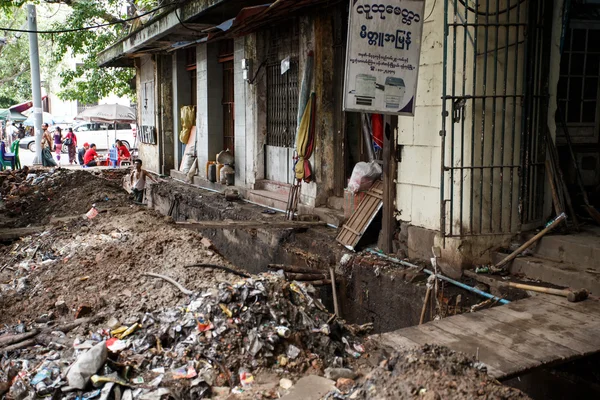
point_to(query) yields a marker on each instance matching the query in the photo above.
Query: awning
(250, 19)
(12, 115)
(24, 106)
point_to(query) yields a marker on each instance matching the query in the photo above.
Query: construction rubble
(124, 304)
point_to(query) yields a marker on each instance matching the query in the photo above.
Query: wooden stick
(558, 207)
(531, 241)
(427, 294)
(303, 277)
(336, 309)
(221, 267)
(291, 268)
(321, 282)
(171, 281)
(561, 179)
(18, 346)
(10, 339)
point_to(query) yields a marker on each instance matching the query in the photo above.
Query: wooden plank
(351, 233)
(521, 341)
(395, 340)
(539, 329)
(495, 362)
(590, 306)
(389, 192)
(470, 342)
(550, 320)
(420, 336)
(577, 315)
(16, 233)
(250, 224)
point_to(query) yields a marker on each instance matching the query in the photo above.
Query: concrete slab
(310, 387)
(582, 250)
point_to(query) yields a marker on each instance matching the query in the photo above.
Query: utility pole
(34, 59)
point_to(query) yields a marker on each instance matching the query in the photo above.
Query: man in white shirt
(138, 181)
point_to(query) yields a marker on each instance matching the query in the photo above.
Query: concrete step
(330, 216)
(336, 203)
(581, 249)
(557, 273)
(273, 186)
(268, 199)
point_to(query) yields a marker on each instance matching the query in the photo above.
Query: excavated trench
(369, 289)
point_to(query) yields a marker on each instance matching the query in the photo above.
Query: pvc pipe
(442, 277)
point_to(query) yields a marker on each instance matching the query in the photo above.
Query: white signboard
(382, 58)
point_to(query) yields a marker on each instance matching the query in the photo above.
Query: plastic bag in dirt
(87, 365)
(363, 176)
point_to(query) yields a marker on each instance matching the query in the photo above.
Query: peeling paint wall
(147, 101)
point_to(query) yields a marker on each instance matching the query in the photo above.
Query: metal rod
(503, 128)
(462, 121)
(443, 131)
(497, 96)
(485, 167)
(514, 125)
(452, 127)
(490, 24)
(494, 104)
(439, 276)
(473, 114)
(485, 59)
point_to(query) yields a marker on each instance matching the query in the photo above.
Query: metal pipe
(442, 277)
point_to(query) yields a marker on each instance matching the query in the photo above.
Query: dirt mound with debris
(430, 372)
(34, 196)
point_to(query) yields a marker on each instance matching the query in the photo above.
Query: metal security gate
(282, 101)
(493, 115)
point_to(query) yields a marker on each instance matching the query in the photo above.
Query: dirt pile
(34, 196)
(429, 372)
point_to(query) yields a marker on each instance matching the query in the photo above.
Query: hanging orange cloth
(305, 142)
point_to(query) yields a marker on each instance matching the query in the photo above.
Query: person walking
(58, 143)
(47, 160)
(71, 143)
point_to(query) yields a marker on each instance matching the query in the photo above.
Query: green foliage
(15, 77)
(87, 82)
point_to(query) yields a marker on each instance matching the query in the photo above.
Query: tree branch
(108, 17)
(16, 75)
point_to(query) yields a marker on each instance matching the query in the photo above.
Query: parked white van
(104, 135)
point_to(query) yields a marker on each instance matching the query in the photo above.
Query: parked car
(101, 134)
(104, 135)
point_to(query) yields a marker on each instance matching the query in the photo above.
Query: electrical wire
(86, 28)
(431, 12)
(186, 26)
(494, 13)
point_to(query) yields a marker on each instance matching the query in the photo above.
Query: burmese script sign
(382, 57)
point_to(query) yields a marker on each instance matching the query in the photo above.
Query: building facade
(469, 166)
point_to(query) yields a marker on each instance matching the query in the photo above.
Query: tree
(15, 79)
(86, 83)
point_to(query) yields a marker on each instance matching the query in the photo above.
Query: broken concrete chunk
(310, 388)
(337, 373)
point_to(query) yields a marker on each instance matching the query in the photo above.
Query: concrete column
(166, 115)
(181, 97)
(209, 129)
(241, 124)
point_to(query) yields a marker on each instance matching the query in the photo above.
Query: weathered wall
(147, 106)
(181, 97)
(166, 142)
(209, 126)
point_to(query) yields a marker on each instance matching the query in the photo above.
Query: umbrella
(47, 118)
(111, 113)
(8, 114)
